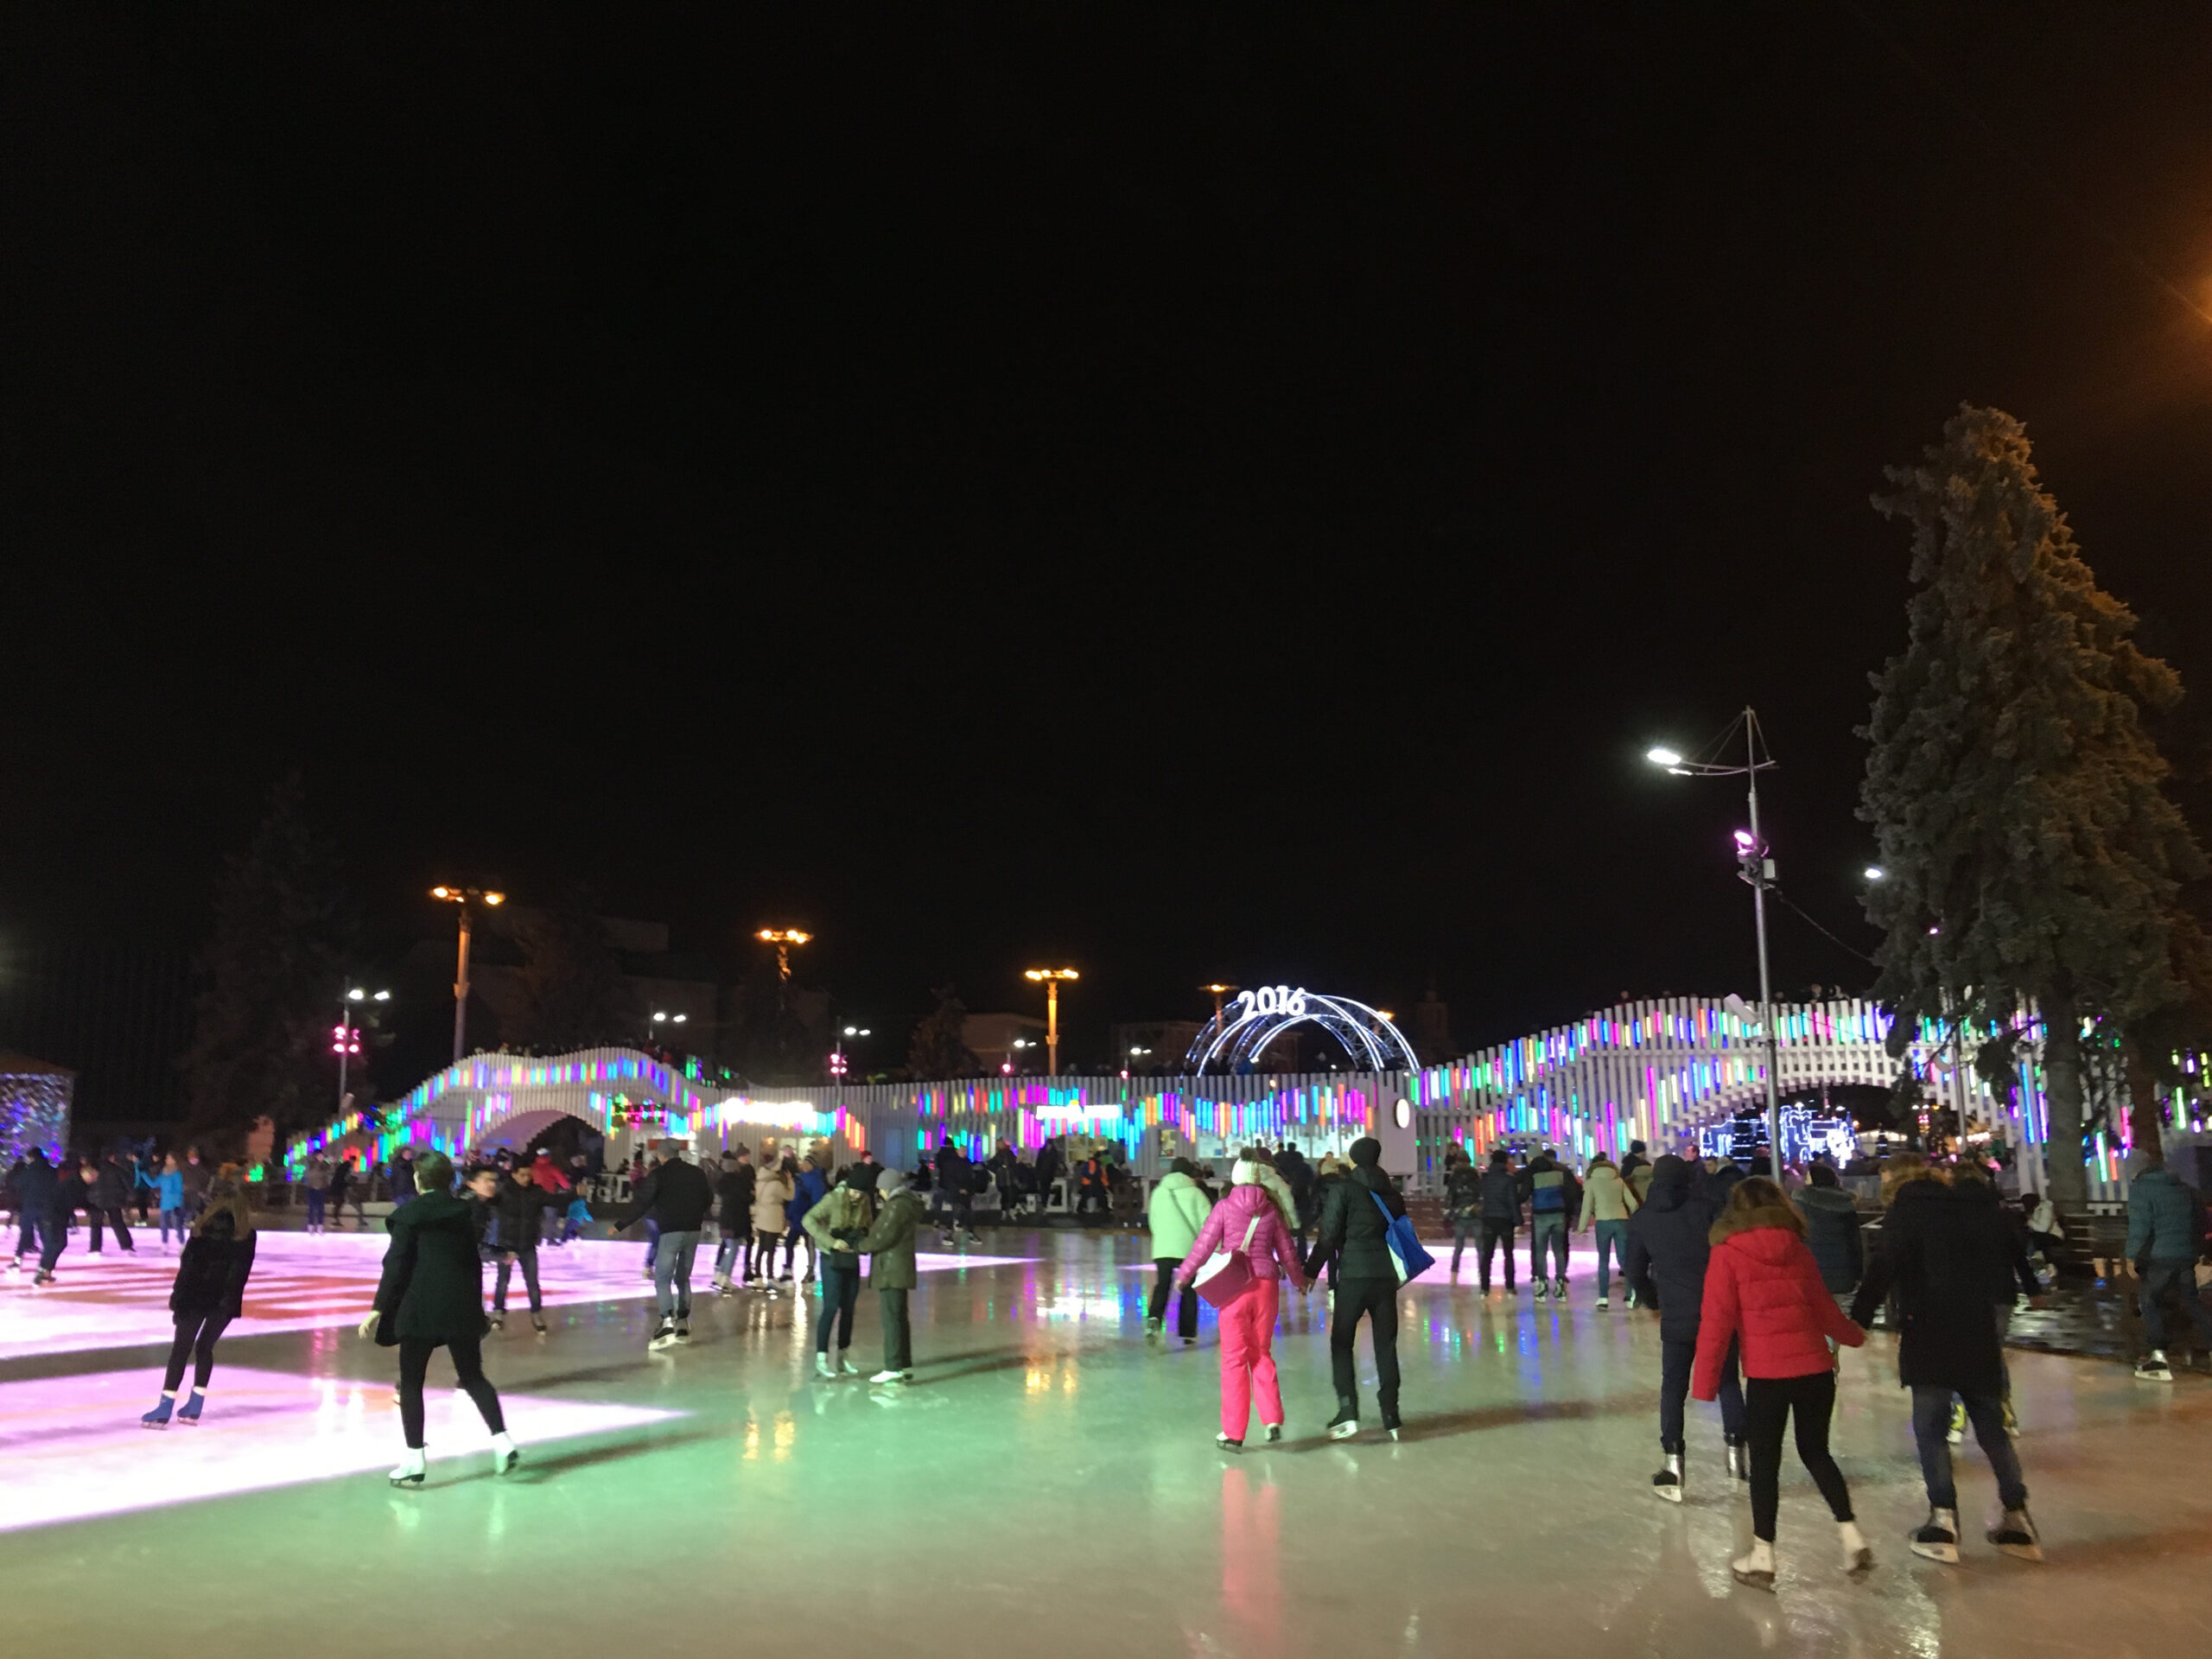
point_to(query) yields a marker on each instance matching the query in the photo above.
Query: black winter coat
(211, 1278)
(1463, 1193)
(678, 1195)
(736, 1190)
(111, 1186)
(37, 1188)
(1832, 1231)
(1354, 1230)
(432, 1285)
(1943, 1251)
(1501, 1197)
(521, 1210)
(1668, 1247)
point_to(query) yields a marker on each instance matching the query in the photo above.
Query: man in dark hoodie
(1354, 1227)
(1832, 1230)
(1501, 1216)
(36, 1186)
(677, 1196)
(1668, 1247)
(105, 1202)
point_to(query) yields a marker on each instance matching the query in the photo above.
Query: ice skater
(1249, 1223)
(208, 1294)
(674, 1198)
(431, 1296)
(835, 1222)
(1664, 1264)
(316, 1185)
(1355, 1230)
(43, 1224)
(1762, 1289)
(770, 1193)
(734, 1208)
(889, 1247)
(1178, 1211)
(520, 1204)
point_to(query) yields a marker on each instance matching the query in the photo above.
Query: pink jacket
(1224, 1229)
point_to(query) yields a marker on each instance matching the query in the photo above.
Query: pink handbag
(1227, 1274)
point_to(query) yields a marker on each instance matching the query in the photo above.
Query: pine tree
(938, 1048)
(2028, 850)
(270, 975)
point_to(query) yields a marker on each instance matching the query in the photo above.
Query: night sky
(1184, 494)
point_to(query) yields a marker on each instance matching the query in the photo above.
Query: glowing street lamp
(467, 898)
(663, 1018)
(1220, 991)
(1876, 873)
(1051, 978)
(783, 939)
(1757, 870)
(345, 1036)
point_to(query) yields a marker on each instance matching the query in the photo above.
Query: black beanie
(1366, 1151)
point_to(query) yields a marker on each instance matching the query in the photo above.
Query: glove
(368, 1326)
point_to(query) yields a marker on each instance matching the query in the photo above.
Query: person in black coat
(1355, 1218)
(36, 1186)
(208, 1294)
(106, 1200)
(520, 1204)
(1945, 1252)
(1832, 1230)
(431, 1296)
(1667, 1247)
(1501, 1216)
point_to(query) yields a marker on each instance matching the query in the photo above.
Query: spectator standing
(2165, 1236)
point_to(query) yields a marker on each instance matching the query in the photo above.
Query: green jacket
(890, 1243)
(841, 1210)
(2162, 1219)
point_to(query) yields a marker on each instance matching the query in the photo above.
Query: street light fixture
(467, 898)
(1876, 873)
(783, 939)
(1052, 978)
(1756, 868)
(1220, 991)
(345, 1036)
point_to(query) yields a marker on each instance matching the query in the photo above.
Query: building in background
(1427, 1026)
(992, 1038)
(34, 1106)
(1166, 1043)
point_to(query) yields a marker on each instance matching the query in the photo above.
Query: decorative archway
(1244, 1028)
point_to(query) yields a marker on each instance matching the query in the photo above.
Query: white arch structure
(1244, 1028)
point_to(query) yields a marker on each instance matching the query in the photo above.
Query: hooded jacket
(771, 1193)
(37, 1188)
(1605, 1196)
(1273, 1253)
(889, 1245)
(433, 1284)
(1501, 1203)
(211, 1274)
(1355, 1231)
(1941, 1249)
(845, 1211)
(1178, 1211)
(1667, 1247)
(1463, 1193)
(2162, 1218)
(1549, 1189)
(733, 1187)
(1831, 1232)
(1763, 1286)
(812, 1188)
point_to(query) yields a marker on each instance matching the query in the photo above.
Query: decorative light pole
(467, 898)
(1220, 991)
(1052, 978)
(783, 939)
(1755, 869)
(346, 1037)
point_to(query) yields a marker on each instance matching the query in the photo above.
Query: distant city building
(1165, 1043)
(992, 1038)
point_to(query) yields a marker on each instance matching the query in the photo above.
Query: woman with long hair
(771, 1194)
(209, 1289)
(1763, 1291)
(431, 1296)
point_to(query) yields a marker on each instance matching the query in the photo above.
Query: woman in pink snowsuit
(1248, 1324)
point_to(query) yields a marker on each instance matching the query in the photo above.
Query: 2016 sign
(1274, 1000)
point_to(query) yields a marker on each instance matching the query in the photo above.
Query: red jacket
(1762, 1285)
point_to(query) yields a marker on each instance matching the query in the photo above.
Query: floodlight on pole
(1757, 870)
(1051, 978)
(783, 939)
(467, 899)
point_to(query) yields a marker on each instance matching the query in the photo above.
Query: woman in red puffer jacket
(1763, 1286)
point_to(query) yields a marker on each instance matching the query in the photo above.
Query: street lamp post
(783, 939)
(345, 1038)
(467, 898)
(1052, 978)
(663, 1018)
(1757, 870)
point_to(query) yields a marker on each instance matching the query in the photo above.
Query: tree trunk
(2062, 1070)
(2145, 1129)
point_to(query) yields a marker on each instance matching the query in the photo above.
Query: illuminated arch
(1244, 1028)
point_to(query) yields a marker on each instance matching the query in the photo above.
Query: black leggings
(467, 1367)
(1768, 1403)
(196, 1335)
(1186, 1303)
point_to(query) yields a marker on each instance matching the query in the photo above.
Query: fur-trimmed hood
(1730, 1223)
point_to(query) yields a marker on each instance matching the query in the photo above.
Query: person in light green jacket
(1180, 1207)
(1607, 1203)
(889, 1247)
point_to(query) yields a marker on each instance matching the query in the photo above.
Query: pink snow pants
(1248, 1361)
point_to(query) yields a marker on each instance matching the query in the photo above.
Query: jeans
(1378, 1300)
(898, 1331)
(173, 1219)
(114, 1219)
(1612, 1242)
(1931, 1423)
(652, 1243)
(2179, 1276)
(672, 1272)
(726, 1254)
(1498, 1236)
(527, 1259)
(469, 1370)
(317, 1198)
(1248, 1361)
(196, 1335)
(1546, 1228)
(1769, 1402)
(1186, 1305)
(792, 1240)
(1461, 1226)
(841, 1297)
(1677, 1358)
